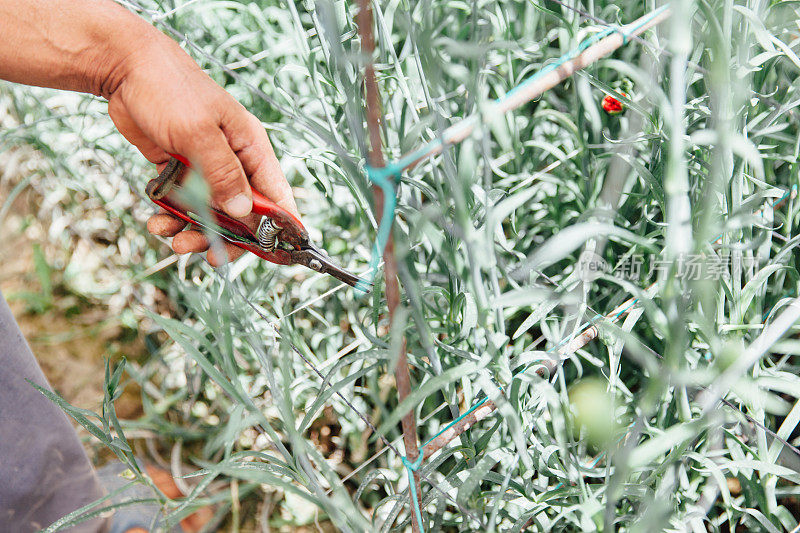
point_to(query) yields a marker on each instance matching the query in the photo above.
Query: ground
(69, 335)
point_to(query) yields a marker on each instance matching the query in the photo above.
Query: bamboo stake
(376, 160)
(528, 91)
(576, 343)
(461, 130)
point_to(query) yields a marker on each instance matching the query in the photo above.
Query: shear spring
(268, 234)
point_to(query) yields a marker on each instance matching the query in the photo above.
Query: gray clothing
(44, 471)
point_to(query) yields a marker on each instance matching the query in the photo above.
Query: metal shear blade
(312, 257)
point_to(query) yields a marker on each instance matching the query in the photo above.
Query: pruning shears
(280, 238)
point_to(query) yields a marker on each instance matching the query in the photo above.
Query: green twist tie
(412, 466)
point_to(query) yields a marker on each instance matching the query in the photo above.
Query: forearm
(80, 45)
(158, 97)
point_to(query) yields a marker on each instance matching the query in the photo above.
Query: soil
(69, 335)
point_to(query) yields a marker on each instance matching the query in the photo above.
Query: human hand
(158, 97)
(164, 103)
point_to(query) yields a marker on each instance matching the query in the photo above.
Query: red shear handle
(263, 206)
(235, 228)
(181, 159)
(293, 230)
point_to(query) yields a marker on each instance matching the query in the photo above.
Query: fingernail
(239, 206)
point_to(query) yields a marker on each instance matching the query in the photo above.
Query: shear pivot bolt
(315, 264)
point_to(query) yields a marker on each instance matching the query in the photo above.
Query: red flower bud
(612, 106)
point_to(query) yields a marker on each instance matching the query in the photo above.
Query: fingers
(227, 156)
(227, 145)
(249, 140)
(165, 225)
(208, 148)
(192, 241)
(232, 253)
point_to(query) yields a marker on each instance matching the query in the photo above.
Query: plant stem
(534, 87)
(376, 160)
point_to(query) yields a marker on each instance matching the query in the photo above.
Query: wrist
(119, 41)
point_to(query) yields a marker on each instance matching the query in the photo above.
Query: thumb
(219, 165)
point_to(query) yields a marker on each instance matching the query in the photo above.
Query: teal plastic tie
(382, 177)
(411, 468)
(619, 29)
(459, 419)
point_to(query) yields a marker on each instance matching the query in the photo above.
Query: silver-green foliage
(628, 433)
